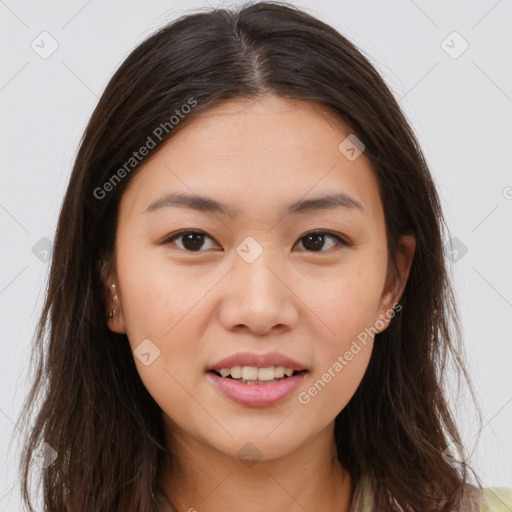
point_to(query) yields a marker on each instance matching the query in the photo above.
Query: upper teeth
(255, 373)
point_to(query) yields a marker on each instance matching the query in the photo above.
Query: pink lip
(256, 395)
(258, 360)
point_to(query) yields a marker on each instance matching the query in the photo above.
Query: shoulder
(497, 499)
(494, 499)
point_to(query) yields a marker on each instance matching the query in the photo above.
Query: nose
(258, 298)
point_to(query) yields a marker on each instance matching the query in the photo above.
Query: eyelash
(179, 234)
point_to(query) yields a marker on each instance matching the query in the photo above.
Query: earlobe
(396, 285)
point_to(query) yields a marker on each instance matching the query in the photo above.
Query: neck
(199, 477)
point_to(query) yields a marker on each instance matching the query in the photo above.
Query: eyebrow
(209, 205)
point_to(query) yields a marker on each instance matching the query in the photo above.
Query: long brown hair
(93, 410)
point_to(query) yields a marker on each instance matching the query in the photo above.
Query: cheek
(158, 299)
(349, 302)
(163, 307)
(348, 309)
(343, 352)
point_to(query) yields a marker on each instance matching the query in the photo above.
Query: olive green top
(494, 499)
(497, 499)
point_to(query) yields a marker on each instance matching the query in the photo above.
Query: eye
(193, 240)
(315, 240)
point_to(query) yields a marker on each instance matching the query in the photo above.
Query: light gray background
(460, 108)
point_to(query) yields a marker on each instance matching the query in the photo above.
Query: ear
(396, 282)
(116, 322)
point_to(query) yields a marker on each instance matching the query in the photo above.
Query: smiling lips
(256, 380)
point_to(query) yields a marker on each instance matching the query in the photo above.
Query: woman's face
(254, 279)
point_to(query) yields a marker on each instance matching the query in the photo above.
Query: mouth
(257, 379)
(248, 387)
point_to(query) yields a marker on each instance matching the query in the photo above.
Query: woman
(248, 303)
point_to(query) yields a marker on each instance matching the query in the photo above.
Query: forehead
(256, 153)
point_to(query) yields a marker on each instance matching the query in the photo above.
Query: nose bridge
(254, 273)
(257, 295)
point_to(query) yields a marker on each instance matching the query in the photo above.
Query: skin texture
(200, 306)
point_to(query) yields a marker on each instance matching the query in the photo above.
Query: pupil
(190, 238)
(317, 236)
